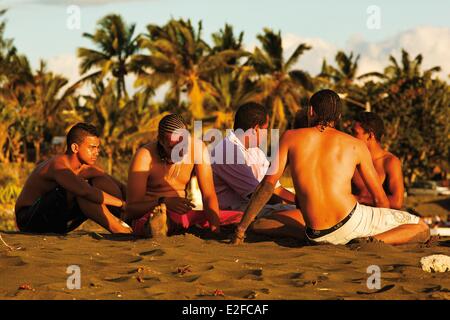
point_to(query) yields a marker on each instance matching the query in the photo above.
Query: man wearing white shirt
(238, 168)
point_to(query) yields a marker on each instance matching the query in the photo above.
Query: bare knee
(424, 229)
(256, 224)
(264, 224)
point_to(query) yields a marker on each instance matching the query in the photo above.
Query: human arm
(395, 185)
(66, 178)
(206, 184)
(94, 171)
(138, 173)
(285, 194)
(264, 190)
(370, 177)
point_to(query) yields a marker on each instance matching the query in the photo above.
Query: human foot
(157, 224)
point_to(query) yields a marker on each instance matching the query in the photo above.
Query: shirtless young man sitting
(156, 199)
(64, 191)
(369, 128)
(323, 161)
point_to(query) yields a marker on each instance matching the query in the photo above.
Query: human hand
(178, 205)
(214, 222)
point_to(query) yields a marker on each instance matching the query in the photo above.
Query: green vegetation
(207, 82)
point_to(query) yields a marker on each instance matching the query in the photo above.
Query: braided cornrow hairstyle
(327, 107)
(168, 124)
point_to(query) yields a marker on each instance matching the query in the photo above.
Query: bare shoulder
(146, 151)
(351, 141)
(294, 135)
(288, 137)
(143, 157)
(356, 147)
(59, 162)
(391, 161)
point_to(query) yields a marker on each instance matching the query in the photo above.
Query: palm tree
(282, 85)
(179, 56)
(46, 104)
(342, 79)
(142, 123)
(123, 127)
(36, 103)
(346, 70)
(226, 40)
(415, 109)
(15, 91)
(232, 89)
(117, 44)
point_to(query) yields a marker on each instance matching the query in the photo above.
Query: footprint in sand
(384, 289)
(12, 262)
(118, 279)
(255, 274)
(154, 253)
(190, 279)
(296, 275)
(136, 260)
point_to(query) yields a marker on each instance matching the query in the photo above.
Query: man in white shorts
(322, 162)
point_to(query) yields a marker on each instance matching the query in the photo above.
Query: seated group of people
(346, 187)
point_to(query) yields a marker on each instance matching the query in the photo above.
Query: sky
(374, 29)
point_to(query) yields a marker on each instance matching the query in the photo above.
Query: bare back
(389, 171)
(322, 166)
(38, 183)
(380, 165)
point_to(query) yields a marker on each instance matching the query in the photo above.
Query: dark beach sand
(194, 266)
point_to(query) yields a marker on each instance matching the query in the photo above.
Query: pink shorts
(189, 219)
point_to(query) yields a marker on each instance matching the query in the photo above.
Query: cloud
(65, 65)
(432, 42)
(312, 59)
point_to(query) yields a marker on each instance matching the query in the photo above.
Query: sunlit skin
(150, 178)
(288, 223)
(71, 170)
(322, 165)
(388, 168)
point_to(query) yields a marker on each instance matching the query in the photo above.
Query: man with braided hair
(157, 182)
(322, 162)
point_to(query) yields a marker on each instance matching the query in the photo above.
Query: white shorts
(367, 221)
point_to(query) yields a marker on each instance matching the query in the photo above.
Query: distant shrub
(9, 194)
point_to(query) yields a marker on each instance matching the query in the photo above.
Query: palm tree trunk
(124, 88)
(37, 148)
(25, 150)
(109, 153)
(196, 96)
(119, 91)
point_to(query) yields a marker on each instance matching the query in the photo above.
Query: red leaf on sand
(26, 287)
(218, 292)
